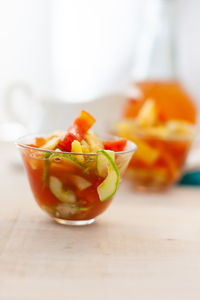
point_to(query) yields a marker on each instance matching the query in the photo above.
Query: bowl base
(74, 222)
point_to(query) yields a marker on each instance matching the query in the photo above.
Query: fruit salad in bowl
(74, 174)
(163, 146)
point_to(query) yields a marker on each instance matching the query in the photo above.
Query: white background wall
(189, 44)
(24, 44)
(98, 48)
(98, 37)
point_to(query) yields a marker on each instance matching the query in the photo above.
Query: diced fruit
(65, 143)
(147, 116)
(125, 126)
(40, 141)
(57, 133)
(172, 101)
(85, 146)
(110, 184)
(118, 145)
(85, 149)
(83, 123)
(55, 185)
(77, 131)
(160, 132)
(80, 182)
(51, 144)
(77, 148)
(145, 176)
(130, 129)
(179, 126)
(146, 153)
(93, 141)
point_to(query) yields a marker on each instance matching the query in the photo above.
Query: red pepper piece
(118, 145)
(66, 143)
(83, 123)
(77, 130)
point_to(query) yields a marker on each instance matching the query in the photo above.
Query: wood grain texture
(143, 247)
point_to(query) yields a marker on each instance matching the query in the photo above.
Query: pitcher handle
(10, 98)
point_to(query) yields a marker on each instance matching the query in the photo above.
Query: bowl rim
(132, 147)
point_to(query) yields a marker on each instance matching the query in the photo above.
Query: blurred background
(80, 50)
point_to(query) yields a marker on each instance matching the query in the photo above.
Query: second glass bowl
(160, 158)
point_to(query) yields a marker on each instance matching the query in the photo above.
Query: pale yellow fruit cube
(146, 153)
(179, 126)
(51, 144)
(148, 114)
(159, 132)
(93, 141)
(77, 148)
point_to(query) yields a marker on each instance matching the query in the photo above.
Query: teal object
(191, 178)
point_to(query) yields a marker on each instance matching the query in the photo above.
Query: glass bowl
(159, 160)
(66, 185)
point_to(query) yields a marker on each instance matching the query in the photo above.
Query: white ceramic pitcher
(47, 114)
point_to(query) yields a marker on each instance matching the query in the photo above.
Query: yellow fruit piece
(51, 144)
(154, 176)
(144, 152)
(160, 132)
(93, 141)
(179, 126)
(77, 148)
(85, 147)
(148, 114)
(124, 126)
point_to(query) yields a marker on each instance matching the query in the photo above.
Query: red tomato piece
(77, 130)
(83, 123)
(66, 143)
(116, 146)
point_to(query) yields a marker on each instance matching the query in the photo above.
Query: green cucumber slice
(110, 184)
(103, 163)
(55, 185)
(80, 182)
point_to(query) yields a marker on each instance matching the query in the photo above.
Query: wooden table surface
(143, 247)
